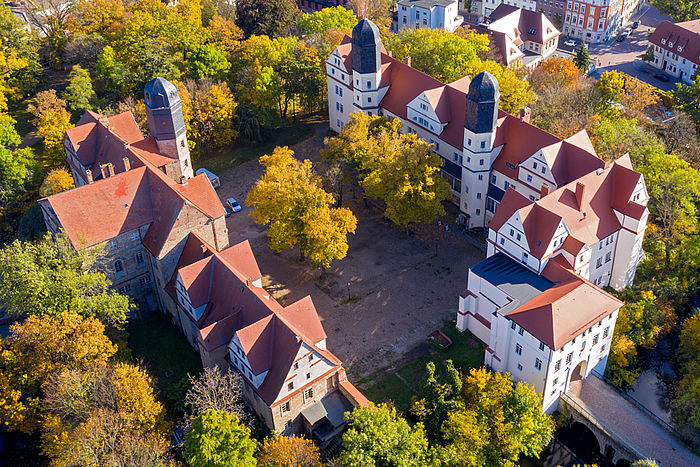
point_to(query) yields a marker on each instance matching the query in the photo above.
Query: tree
(293, 451)
(682, 139)
(218, 439)
(442, 55)
(648, 56)
(19, 65)
(686, 98)
(378, 436)
(38, 348)
(436, 398)
(16, 164)
(378, 11)
(685, 409)
(49, 277)
(274, 18)
(500, 421)
(113, 71)
(645, 463)
(103, 17)
(207, 61)
(51, 120)
(83, 49)
(611, 85)
(566, 111)
(555, 72)
(326, 19)
(581, 58)
(679, 10)
(290, 198)
(615, 137)
(57, 181)
(79, 92)
(215, 390)
(50, 18)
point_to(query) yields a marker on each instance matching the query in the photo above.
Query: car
(233, 204)
(662, 76)
(570, 43)
(621, 37)
(213, 178)
(228, 213)
(628, 31)
(635, 25)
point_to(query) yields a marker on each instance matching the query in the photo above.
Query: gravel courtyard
(400, 290)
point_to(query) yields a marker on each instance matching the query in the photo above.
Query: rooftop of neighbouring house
(519, 22)
(427, 4)
(682, 39)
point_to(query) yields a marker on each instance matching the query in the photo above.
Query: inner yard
(379, 304)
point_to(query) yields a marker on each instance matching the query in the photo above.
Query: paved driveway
(402, 288)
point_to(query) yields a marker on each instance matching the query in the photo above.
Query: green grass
(167, 356)
(240, 153)
(383, 386)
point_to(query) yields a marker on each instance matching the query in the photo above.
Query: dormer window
(663, 41)
(680, 49)
(670, 44)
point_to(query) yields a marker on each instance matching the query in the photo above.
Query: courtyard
(378, 304)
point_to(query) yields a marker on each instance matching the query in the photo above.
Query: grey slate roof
(482, 103)
(513, 279)
(159, 92)
(366, 47)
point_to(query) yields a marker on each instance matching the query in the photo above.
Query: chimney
(183, 180)
(408, 60)
(110, 169)
(390, 53)
(525, 114)
(544, 191)
(580, 190)
(88, 174)
(103, 169)
(104, 120)
(127, 164)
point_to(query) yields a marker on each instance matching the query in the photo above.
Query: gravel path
(611, 409)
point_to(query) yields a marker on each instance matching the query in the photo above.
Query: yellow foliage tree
(103, 17)
(57, 181)
(51, 120)
(289, 197)
(555, 72)
(283, 451)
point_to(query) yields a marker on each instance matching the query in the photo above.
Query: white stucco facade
(433, 14)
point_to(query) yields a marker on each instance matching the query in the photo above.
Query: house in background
(433, 14)
(523, 37)
(677, 48)
(166, 245)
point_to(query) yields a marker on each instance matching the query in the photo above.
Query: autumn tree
(685, 409)
(83, 49)
(215, 390)
(79, 93)
(611, 85)
(686, 98)
(682, 139)
(290, 198)
(38, 348)
(218, 439)
(320, 22)
(378, 11)
(555, 72)
(615, 137)
(499, 423)
(272, 18)
(51, 120)
(57, 181)
(49, 277)
(137, 109)
(19, 58)
(566, 111)
(51, 19)
(378, 436)
(283, 451)
(679, 10)
(103, 17)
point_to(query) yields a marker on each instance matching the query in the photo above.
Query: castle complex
(562, 223)
(163, 233)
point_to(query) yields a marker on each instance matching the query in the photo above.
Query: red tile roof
(512, 201)
(685, 35)
(564, 311)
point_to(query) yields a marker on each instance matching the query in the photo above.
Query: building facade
(162, 238)
(677, 49)
(598, 21)
(433, 14)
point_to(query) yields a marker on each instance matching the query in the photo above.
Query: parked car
(662, 76)
(628, 31)
(228, 213)
(233, 204)
(621, 37)
(635, 25)
(213, 178)
(570, 43)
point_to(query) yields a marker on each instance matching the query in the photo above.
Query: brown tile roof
(512, 201)
(565, 310)
(532, 26)
(685, 35)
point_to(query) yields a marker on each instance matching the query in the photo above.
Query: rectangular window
(290, 386)
(112, 245)
(555, 381)
(541, 345)
(478, 212)
(480, 177)
(145, 280)
(124, 290)
(598, 263)
(308, 393)
(557, 366)
(139, 258)
(493, 179)
(608, 257)
(518, 237)
(606, 332)
(569, 358)
(285, 407)
(118, 267)
(503, 242)
(311, 357)
(595, 339)
(521, 331)
(518, 349)
(512, 232)
(520, 367)
(491, 205)
(529, 178)
(512, 325)
(369, 99)
(524, 258)
(478, 196)
(543, 169)
(134, 236)
(538, 364)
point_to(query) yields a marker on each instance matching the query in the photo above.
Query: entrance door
(579, 371)
(665, 63)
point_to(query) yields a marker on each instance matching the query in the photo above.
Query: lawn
(240, 153)
(466, 352)
(167, 356)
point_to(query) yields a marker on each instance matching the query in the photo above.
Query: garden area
(400, 384)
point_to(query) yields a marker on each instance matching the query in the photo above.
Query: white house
(677, 48)
(433, 14)
(544, 329)
(486, 7)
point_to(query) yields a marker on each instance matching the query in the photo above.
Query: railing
(671, 429)
(610, 432)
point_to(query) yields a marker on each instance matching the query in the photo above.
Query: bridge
(624, 431)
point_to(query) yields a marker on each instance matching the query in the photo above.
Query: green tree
(322, 21)
(51, 120)
(272, 18)
(49, 277)
(611, 85)
(615, 137)
(436, 398)
(79, 93)
(16, 165)
(679, 10)
(207, 61)
(581, 58)
(290, 198)
(648, 56)
(111, 70)
(686, 98)
(19, 58)
(378, 436)
(499, 423)
(218, 439)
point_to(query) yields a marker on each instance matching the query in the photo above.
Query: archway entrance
(579, 371)
(582, 441)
